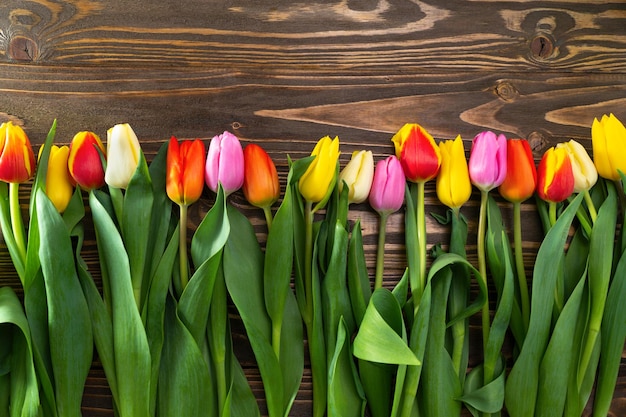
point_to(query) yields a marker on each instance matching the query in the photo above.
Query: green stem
(218, 340)
(482, 263)
(182, 247)
(268, 217)
(590, 206)
(380, 252)
(308, 262)
(17, 223)
(552, 213)
(519, 263)
(421, 239)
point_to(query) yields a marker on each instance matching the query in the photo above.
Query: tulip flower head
(17, 159)
(418, 153)
(260, 181)
(59, 182)
(487, 161)
(453, 182)
(224, 163)
(185, 170)
(521, 173)
(585, 173)
(85, 160)
(358, 175)
(123, 152)
(555, 176)
(318, 180)
(387, 192)
(608, 137)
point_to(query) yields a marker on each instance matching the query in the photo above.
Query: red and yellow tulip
(17, 160)
(84, 160)
(555, 176)
(418, 153)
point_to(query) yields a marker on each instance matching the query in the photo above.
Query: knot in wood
(537, 141)
(506, 91)
(21, 48)
(542, 47)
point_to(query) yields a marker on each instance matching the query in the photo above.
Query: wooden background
(283, 74)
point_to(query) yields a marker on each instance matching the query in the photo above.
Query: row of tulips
(162, 314)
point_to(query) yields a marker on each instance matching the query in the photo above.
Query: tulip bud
(585, 173)
(224, 163)
(320, 176)
(123, 152)
(387, 192)
(487, 161)
(453, 182)
(17, 160)
(85, 160)
(59, 182)
(418, 153)
(555, 176)
(521, 173)
(185, 171)
(358, 175)
(608, 138)
(260, 181)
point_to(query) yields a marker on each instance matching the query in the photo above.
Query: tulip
(260, 181)
(453, 182)
(185, 171)
(387, 192)
(17, 160)
(555, 176)
(318, 180)
(59, 182)
(386, 196)
(608, 139)
(85, 160)
(224, 163)
(418, 153)
(358, 175)
(585, 173)
(123, 152)
(487, 161)
(521, 174)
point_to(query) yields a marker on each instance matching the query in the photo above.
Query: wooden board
(283, 74)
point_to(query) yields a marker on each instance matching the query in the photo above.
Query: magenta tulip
(224, 163)
(487, 161)
(387, 192)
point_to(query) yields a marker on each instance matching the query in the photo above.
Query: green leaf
(480, 398)
(69, 326)
(130, 344)
(345, 394)
(359, 286)
(521, 387)
(212, 233)
(382, 337)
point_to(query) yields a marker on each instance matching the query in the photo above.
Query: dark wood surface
(283, 74)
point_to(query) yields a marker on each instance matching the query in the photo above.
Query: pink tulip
(487, 161)
(224, 163)
(387, 192)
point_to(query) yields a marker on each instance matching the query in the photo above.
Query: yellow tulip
(319, 178)
(453, 182)
(608, 139)
(59, 184)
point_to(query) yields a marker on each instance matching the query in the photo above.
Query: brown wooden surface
(283, 74)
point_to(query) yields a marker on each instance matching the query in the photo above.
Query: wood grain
(283, 74)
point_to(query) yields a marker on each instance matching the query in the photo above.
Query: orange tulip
(260, 180)
(418, 153)
(185, 170)
(84, 161)
(555, 176)
(17, 160)
(521, 174)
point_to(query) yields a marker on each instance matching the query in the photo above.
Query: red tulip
(418, 153)
(84, 161)
(17, 160)
(260, 180)
(555, 176)
(521, 174)
(185, 170)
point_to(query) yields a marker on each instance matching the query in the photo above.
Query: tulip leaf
(522, 384)
(212, 233)
(345, 394)
(359, 286)
(69, 327)
(130, 344)
(482, 398)
(382, 337)
(16, 366)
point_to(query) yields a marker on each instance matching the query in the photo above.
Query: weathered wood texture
(284, 74)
